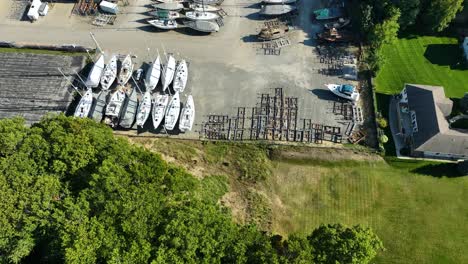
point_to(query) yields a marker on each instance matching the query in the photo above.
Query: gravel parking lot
(227, 69)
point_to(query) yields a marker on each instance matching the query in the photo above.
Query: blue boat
(329, 13)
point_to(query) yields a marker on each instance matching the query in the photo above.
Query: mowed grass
(423, 60)
(421, 219)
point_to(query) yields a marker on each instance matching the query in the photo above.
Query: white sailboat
(202, 25)
(163, 23)
(171, 6)
(95, 73)
(168, 72)
(202, 8)
(346, 91)
(153, 74)
(276, 10)
(181, 75)
(201, 15)
(144, 109)
(86, 101)
(127, 117)
(208, 2)
(172, 112)
(188, 115)
(114, 107)
(159, 108)
(279, 2)
(125, 70)
(110, 73)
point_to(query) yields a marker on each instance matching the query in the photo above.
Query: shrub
(382, 122)
(383, 139)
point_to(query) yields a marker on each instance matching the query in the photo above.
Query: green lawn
(420, 219)
(423, 60)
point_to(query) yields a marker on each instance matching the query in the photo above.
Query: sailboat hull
(181, 75)
(110, 74)
(159, 109)
(95, 74)
(85, 104)
(168, 73)
(144, 109)
(188, 115)
(172, 113)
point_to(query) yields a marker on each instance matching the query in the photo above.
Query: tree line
(71, 192)
(379, 21)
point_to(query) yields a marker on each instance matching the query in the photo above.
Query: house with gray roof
(422, 112)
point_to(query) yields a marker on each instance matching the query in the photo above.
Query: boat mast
(66, 78)
(98, 48)
(138, 87)
(79, 77)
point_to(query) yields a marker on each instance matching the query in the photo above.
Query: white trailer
(109, 7)
(33, 13)
(44, 9)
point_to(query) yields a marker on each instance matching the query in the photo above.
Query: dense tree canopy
(437, 14)
(71, 192)
(339, 244)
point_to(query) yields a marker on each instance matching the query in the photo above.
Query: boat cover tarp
(347, 89)
(329, 13)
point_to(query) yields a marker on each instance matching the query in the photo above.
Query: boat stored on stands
(202, 25)
(346, 91)
(94, 76)
(153, 74)
(201, 15)
(126, 70)
(276, 10)
(99, 106)
(341, 23)
(144, 109)
(114, 107)
(86, 101)
(188, 115)
(181, 76)
(130, 110)
(163, 23)
(204, 8)
(172, 6)
(329, 13)
(110, 73)
(172, 112)
(168, 72)
(165, 14)
(159, 109)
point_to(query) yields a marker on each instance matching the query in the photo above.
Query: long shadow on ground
(445, 55)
